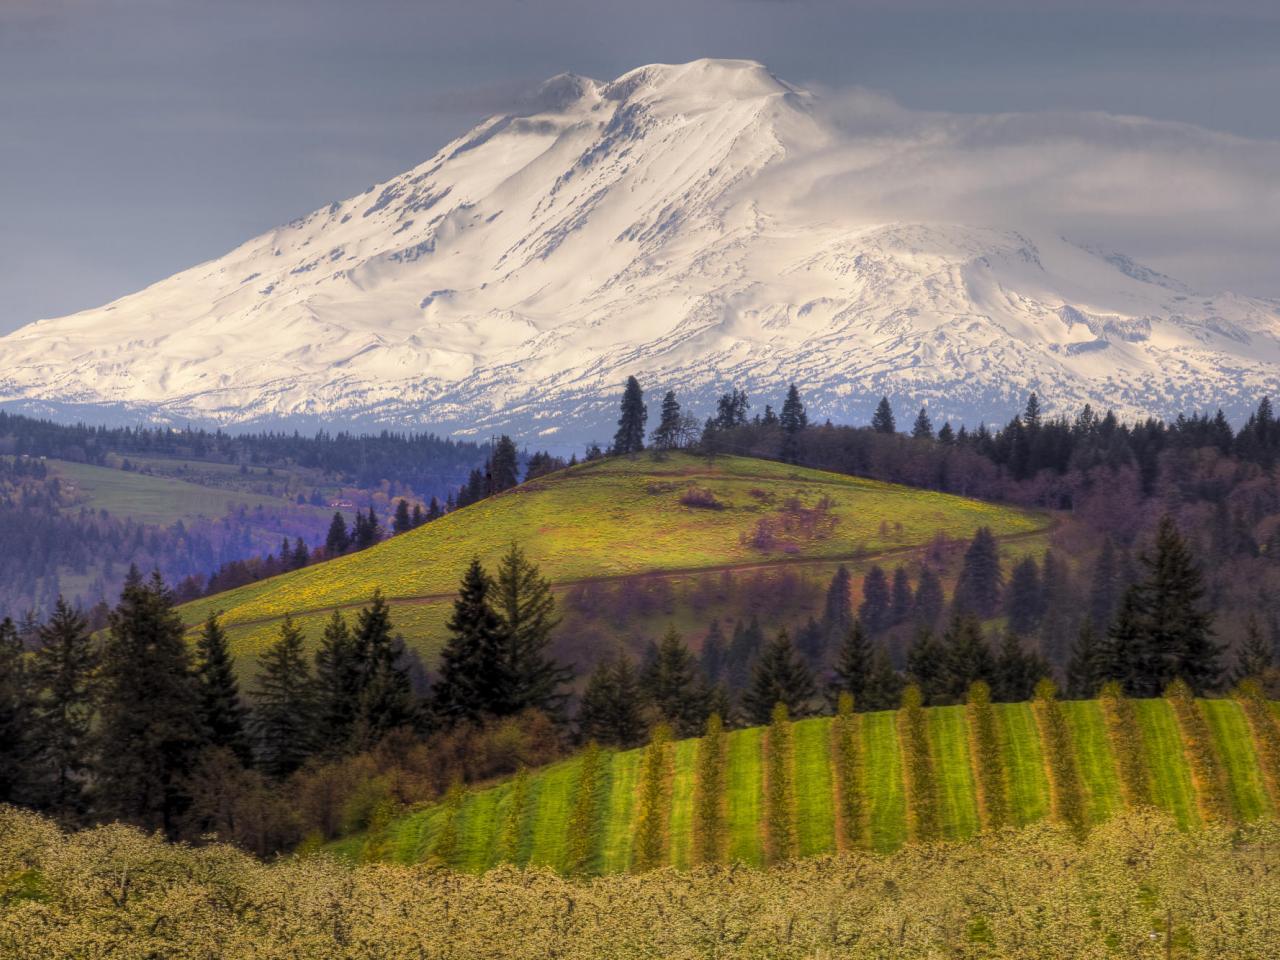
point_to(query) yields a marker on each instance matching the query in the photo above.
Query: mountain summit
(683, 223)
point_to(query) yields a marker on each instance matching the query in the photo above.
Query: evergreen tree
(853, 667)
(811, 643)
(929, 600)
(793, 422)
(980, 582)
(884, 684)
(403, 520)
(744, 648)
(337, 542)
(1256, 656)
(149, 730)
(370, 533)
(903, 602)
(62, 684)
(522, 599)
(946, 435)
(339, 679)
(666, 436)
(419, 518)
(882, 420)
(1016, 670)
(385, 700)
(1177, 632)
(283, 704)
(837, 612)
(1024, 600)
(474, 678)
(922, 429)
(504, 466)
(16, 738)
(301, 555)
(673, 684)
(927, 664)
(780, 676)
(629, 439)
(967, 657)
(1104, 589)
(434, 511)
(1123, 656)
(1087, 667)
(222, 714)
(611, 710)
(714, 653)
(877, 602)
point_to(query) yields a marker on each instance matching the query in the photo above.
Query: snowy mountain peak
(679, 222)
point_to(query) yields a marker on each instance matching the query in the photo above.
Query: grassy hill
(801, 788)
(681, 517)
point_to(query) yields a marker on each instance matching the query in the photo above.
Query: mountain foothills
(671, 223)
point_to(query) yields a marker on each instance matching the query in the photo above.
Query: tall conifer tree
(675, 686)
(780, 676)
(522, 599)
(61, 682)
(222, 714)
(284, 704)
(339, 680)
(629, 439)
(16, 736)
(474, 678)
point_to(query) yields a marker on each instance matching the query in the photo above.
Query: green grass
(1024, 763)
(1098, 773)
(815, 797)
(1234, 744)
(616, 518)
(885, 791)
(543, 835)
(1170, 773)
(957, 792)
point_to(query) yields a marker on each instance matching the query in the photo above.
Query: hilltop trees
(666, 435)
(629, 439)
(882, 420)
(793, 422)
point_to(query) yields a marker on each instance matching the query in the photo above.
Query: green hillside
(825, 784)
(598, 522)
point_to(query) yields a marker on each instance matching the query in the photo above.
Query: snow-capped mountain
(671, 224)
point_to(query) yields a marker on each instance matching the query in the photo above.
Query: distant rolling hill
(679, 519)
(1199, 761)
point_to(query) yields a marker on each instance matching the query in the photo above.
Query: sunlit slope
(465, 833)
(617, 518)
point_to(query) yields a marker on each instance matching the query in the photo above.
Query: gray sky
(138, 137)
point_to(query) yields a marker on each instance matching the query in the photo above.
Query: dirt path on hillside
(423, 599)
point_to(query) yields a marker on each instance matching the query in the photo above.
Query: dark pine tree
(403, 520)
(62, 686)
(149, 729)
(811, 642)
(672, 682)
(222, 714)
(385, 700)
(1177, 631)
(967, 657)
(902, 603)
(922, 429)
(419, 518)
(504, 466)
(338, 540)
(1256, 656)
(339, 679)
(876, 609)
(780, 676)
(283, 716)
(1024, 599)
(927, 665)
(930, 601)
(666, 435)
(714, 653)
(853, 667)
(16, 741)
(1086, 669)
(979, 585)
(526, 609)
(612, 707)
(1124, 656)
(1016, 670)
(882, 420)
(884, 684)
(744, 648)
(629, 439)
(837, 612)
(793, 422)
(473, 679)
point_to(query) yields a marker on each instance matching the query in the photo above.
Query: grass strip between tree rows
(886, 790)
(812, 786)
(680, 819)
(1099, 777)
(1024, 760)
(1124, 732)
(1242, 771)
(615, 847)
(1172, 788)
(1067, 799)
(746, 796)
(1265, 730)
(953, 772)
